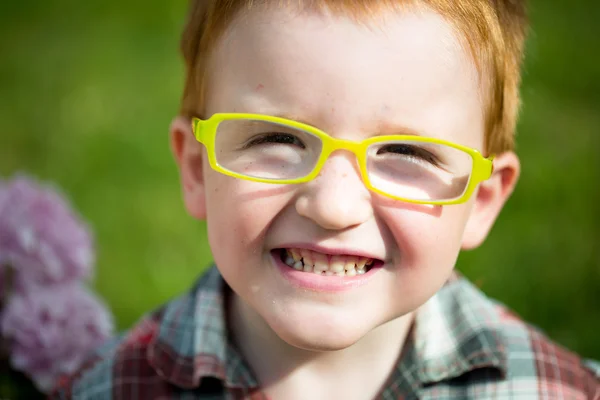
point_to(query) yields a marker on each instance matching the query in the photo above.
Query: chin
(318, 343)
(316, 337)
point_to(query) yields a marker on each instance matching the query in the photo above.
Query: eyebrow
(296, 118)
(395, 129)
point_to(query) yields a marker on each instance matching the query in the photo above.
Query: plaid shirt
(462, 346)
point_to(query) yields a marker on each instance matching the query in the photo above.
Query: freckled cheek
(427, 250)
(238, 219)
(424, 241)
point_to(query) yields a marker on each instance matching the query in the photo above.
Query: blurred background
(88, 89)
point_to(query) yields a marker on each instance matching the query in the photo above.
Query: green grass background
(88, 89)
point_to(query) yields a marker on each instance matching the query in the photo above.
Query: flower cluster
(49, 320)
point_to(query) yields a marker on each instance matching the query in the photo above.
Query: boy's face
(353, 82)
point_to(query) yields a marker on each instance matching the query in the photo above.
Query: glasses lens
(419, 171)
(266, 150)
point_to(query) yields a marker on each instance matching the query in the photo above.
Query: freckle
(332, 110)
(260, 86)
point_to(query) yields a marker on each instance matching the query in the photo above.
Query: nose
(337, 199)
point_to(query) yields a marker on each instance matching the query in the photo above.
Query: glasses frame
(205, 132)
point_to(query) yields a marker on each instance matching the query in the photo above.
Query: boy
(342, 154)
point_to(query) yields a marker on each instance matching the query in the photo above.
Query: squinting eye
(410, 151)
(275, 138)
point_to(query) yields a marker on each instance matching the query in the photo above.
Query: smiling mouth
(325, 264)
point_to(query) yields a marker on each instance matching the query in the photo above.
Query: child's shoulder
(173, 346)
(468, 345)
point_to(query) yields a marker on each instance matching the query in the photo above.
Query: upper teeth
(318, 263)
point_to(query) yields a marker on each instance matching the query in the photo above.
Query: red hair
(494, 32)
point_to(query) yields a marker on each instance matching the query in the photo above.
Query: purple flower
(3, 269)
(3, 194)
(40, 236)
(51, 330)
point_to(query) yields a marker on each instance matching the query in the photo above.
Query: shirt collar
(456, 331)
(193, 341)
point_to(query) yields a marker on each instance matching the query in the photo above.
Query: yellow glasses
(409, 168)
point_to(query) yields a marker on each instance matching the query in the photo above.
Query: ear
(188, 153)
(490, 198)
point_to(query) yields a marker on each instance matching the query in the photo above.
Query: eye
(274, 138)
(409, 151)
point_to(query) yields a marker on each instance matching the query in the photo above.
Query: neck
(282, 368)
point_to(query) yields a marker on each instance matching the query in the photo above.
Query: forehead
(401, 68)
